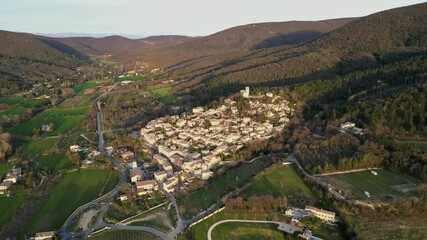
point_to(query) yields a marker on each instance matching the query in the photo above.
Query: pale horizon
(141, 18)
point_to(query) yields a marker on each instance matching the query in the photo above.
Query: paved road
(237, 220)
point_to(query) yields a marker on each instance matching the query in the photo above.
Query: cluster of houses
(11, 177)
(189, 145)
(90, 154)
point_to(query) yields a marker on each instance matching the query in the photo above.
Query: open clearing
(200, 200)
(278, 181)
(165, 95)
(54, 162)
(392, 230)
(124, 235)
(354, 184)
(39, 145)
(76, 188)
(56, 112)
(9, 205)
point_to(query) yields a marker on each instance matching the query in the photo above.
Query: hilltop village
(190, 145)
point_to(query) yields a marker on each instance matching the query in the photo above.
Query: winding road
(104, 201)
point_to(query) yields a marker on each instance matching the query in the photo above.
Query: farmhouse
(146, 187)
(75, 148)
(47, 127)
(127, 155)
(4, 186)
(135, 174)
(44, 235)
(322, 214)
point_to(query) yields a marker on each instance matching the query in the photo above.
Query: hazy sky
(186, 17)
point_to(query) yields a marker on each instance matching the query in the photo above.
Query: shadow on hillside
(288, 39)
(65, 49)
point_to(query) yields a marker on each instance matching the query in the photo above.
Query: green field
(9, 205)
(200, 230)
(39, 145)
(243, 231)
(4, 168)
(200, 200)
(281, 180)
(54, 162)
(14, 111)
(137, 78)
(165, 95)
(124, 235)
(19, 106)
(63, 112)
(81, 88)
(74, 190)
(27, 103)
(77, 101)
(161, 218)
(61, 125)
(354, 184)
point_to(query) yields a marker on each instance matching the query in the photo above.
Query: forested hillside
(361, 44)
(27, 59)
(238, 39)
(388, 103)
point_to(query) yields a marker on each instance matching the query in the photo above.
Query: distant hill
(242, 38)
(117, 45)
(27, 58)
(363, 43)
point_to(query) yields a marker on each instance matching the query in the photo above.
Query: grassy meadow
(279, 181)
(9, 205)
(200, 200)
(55, 162)
(75, 189)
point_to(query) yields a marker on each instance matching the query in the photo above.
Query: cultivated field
(54, 162)
(9, 205)
(75, 189)
(278, 181)
(123, 235)
(393, 230)
(354, 184)
(77, 101)
(200, 200)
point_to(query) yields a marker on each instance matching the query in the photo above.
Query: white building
(135, 175)
(160, 176)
